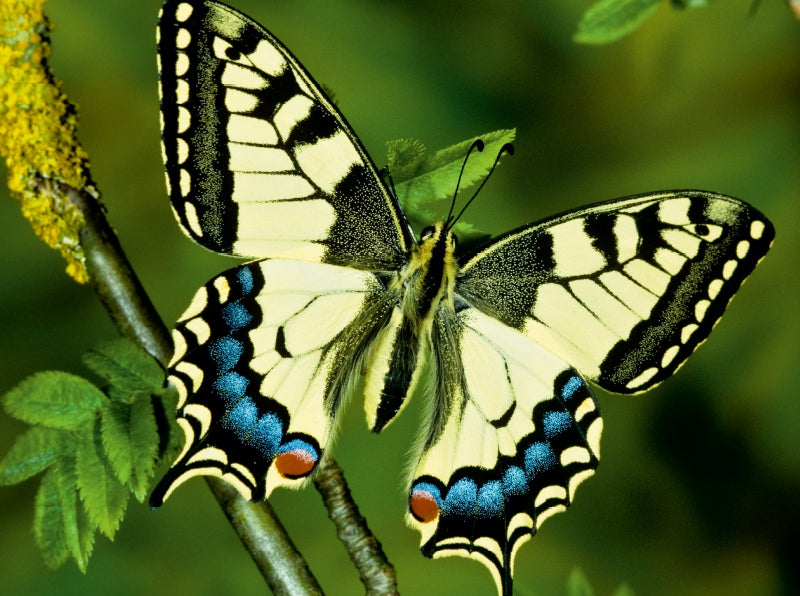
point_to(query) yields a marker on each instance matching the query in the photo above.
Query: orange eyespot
(424, 505)
(295, 463)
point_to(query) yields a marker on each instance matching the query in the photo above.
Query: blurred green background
(700, 481)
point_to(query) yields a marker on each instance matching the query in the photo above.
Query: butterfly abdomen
(424, 285)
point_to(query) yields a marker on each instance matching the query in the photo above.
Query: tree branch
(274, 553)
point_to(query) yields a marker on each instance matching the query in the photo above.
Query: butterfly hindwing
(256, 354)
(625, 290)
(522, 430)
(259, 162)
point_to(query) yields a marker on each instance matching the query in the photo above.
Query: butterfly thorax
(428, 279)
(423, 286)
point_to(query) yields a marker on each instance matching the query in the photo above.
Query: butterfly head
(439, 232)
(436, 247)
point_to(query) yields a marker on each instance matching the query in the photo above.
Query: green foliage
(121, 364)
(421, 178)
(130, 439)
(104, 497)
(609, 20)
(578, 585)
(60, 525)
(95, 447)
(54, 399)
(35, 451)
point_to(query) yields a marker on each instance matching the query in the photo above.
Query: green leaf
(577, 584)
(624, 590)
(130, 438)
(608, 20)
(67, 489)
(104, 497)
(54, 399)
(60, 525)
(128, 368)
(421, 179)
(86, 533)
(48, 522)
(34, 451)
(405, 158)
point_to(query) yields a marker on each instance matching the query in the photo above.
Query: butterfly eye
(427, 232)
(454, 240)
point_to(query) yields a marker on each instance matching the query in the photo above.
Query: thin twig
(274, 552)
(377, 573)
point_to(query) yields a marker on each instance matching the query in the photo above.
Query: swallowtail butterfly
(260, 163)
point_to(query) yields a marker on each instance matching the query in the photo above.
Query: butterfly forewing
(255, 356)
(258, 161)
(625, 290)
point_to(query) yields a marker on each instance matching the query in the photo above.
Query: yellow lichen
(38, 132)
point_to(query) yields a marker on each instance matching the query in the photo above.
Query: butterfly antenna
(507, 148)
(477, 144)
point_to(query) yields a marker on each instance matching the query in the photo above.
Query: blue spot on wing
(514, 481)
(231, 387)
(236, 316)
(245, 280)
(262, 432)
(539, 457)
(267, 434)
(460, 499)
(226, 352)
(556, 423)
(571, 386)
(490, 499)
(241, 417)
